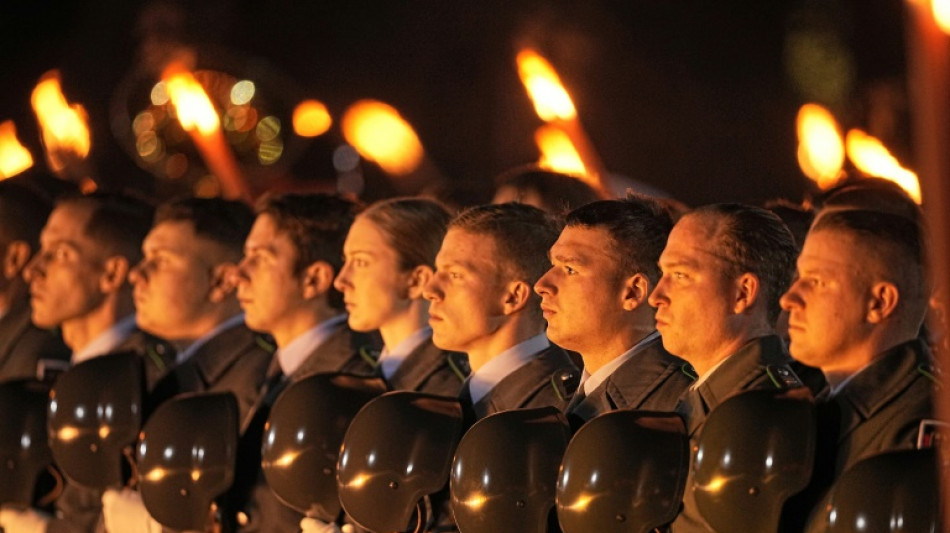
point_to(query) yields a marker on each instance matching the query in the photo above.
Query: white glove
(22, 520)
(313, 525)
(124, 512)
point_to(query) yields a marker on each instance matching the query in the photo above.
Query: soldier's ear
(418, 279)
(115, 274)
(15, 258)
(224, 278)
(636, 290)
(883, 302)
(747, 289)
(517, 296)
(317, 279)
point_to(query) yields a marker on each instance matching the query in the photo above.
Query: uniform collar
(590, 382)
(497, 368)
(293, 355)
(186, 354)
(107, 341)
(391, 359)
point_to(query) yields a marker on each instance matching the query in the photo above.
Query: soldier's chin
(43, 321)
(442, 342)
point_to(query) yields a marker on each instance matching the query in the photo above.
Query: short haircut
(796, 218)
(317, 225)
(118, 222)
(223, 222)
(754, 240)
(874, 194)
(898, 244)
(522, 234)
(559, 193)
(413, 227)
(23, 212)
(638, 226)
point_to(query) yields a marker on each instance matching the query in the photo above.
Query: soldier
(724, 268)
(389, 256)
(858, 320)
(25, 350)
(78, 282)
(285, 287)
(482, 304)
(185, 293)
(594, 298)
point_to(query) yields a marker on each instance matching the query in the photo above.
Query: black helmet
(624, 471)
(24, 447)
(894, 492)
(757, 449)
(505, 471)
(95, 412)
(303, 436)
(397, 450)
(186, 457)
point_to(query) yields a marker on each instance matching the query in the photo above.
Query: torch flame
(551, 100)
(558, 153)
(941, 13)
(311, 118)
(873, 158)
(820, 148)
(191, 102)
(380, 134)
(14, 157)
(63, 125)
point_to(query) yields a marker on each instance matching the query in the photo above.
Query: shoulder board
(458, 362)
(565, 383)
(369, 355)
(928, 373)
(265, 342)
(687, 369)
(783, 377)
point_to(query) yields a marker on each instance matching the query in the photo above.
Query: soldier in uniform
(482, 303)
(389, 256)
(78, 282)
(724, 268)
(594, 298)
(185, 293)
(285, 287)
(858, 320)
(25, 350)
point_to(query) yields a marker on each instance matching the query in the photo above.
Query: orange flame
(65, 132)
(14, 157)
(311, 118)
(191, 102)
(550, 98)
(820, 148)
(380, 134)
(559, 154)
(873, 158)
(941, 12)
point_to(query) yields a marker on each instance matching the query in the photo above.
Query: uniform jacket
(651, 380)
(431, 370)
(23, 345)
(760, 364)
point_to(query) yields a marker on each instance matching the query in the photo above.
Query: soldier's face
(828, 302)
(466, 294)
(175, 281)
(269, 289)
(695, 297)
(582, 294)
(375, 289)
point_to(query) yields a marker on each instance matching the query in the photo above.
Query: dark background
(696, 98)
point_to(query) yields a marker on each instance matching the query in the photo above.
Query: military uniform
(234, 360)
(23, 345)
(651, 380)
(761, 364)
(432, 370)
(251, 505)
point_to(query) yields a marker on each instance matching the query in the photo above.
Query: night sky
(695, 98)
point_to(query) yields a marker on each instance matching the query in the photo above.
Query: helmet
(757, 449)
(892, 492)
(397, 450)
(303, 435)
(186, 457)
(624, 471)
(505, 471)
(24, 448)
(95, 412)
